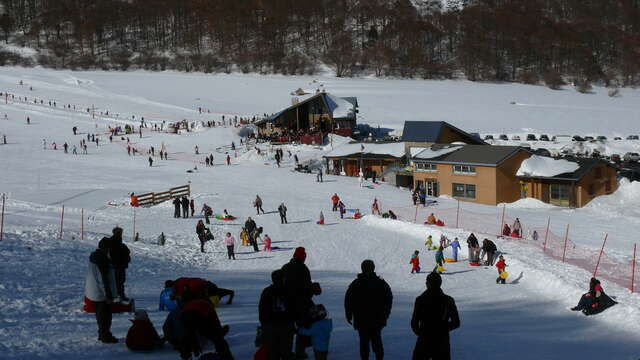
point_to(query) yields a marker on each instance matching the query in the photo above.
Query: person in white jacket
(99, 288)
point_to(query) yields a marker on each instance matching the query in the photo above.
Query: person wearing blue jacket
(320, 332)
(455, 245)
(166, 297)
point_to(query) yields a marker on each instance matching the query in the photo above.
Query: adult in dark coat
(299, 291)
(276, 318)
(250, 227)
(176, 207)
(120, 257)
(185, 207)
(201, 231)
(434, 316)
(99, 288)
(367, 306)
(489, 247)
(282, 210)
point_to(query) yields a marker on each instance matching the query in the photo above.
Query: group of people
(515, 230)
(187, 206)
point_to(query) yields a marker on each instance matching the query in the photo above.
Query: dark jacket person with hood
(99, 288)
(120, 257)
(276, 318)
(367, 306)
(434, 316)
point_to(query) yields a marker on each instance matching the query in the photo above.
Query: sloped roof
(487, 155)
(339, 108)
(585, 167)
(430, 131)
(393, 149)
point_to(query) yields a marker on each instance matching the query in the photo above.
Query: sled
(223, 218)
(244, 238)
(504, 275)
(450, 260)
(440, 269)
(439, 223)
(474, 264)
(116, 307)
(604, 302)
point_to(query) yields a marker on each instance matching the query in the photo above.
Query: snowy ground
(43, 277)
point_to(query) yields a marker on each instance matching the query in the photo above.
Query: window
(465, 191)
(464, 169)
(560, 194)
(426, 167)
(591, 189)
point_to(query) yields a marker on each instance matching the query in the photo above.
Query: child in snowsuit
(167, 302)
(267, 242)
(439, 259)
(321, 220)
(455, 245)
(142, 336)
(501, 265)
(320, 332)
(415, 262)
(429, 242)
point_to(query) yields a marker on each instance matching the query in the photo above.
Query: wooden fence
(150, 199)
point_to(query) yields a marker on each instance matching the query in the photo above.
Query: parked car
(631, 156)
(488, 137)
(617, 138)
(588, 138)
(515, 138)
(531, 137)
(542, 152)
(615, 158)
(633, 137)
(631, 174)
(544, 137)
(503, 137)
(559, 138)
(577, 138)
(601, 138)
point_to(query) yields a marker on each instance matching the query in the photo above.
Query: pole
(566, 237)
(415, 217)
(504, 208)
(546, 235)
(134, 222)
(2, 218)
(600, 256)
(61, 223)
(633, 268)
(82, 225)
(457, 214)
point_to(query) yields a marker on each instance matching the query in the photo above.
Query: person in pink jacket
(230, 242)
(267, 242)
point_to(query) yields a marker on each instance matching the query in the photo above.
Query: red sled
(439, 223)
(115, 307)
(474, 264)
(515, 234)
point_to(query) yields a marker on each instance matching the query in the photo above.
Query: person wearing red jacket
(415, 262)
(142, 336)
(335, 199)
(501, 265)
(186, 289)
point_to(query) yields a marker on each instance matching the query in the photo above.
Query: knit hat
(434, 280)
(300, 254)
(368, 266)
(140, 314)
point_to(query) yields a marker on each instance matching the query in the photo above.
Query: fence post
(458, 214)
(600, 256)
(633, 268)
(134, 222)
(504, 207)
(546, 235)
(415, 217)
(61, 223)
(566, 237)
(82, 224)
(2, 218)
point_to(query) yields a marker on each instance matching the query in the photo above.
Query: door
(433, 188)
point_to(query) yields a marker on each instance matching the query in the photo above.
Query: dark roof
(585, 167)
(331, 105)
(487, 155)
(430, 131)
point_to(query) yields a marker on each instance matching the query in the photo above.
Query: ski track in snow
(43, 278)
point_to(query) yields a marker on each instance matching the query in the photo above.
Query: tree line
(529, 41)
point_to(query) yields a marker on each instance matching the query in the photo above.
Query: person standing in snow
(192, 207)
(295, 158)
(321, 219)
(277, 157)
(267, 243)
(455, 246)
(415, 262)
(257, 203)
(99, 289)
(185, 207)
(228, 159)
(150, 161)
(282, 210)
(201, 231)
(361, 179)
(206, 209)
(342, 209)
(439, 260)
(474, 248)
(319, 175)
(434, 316)
(501, 265)
(489, 247)
(211, 159)
(277, 318)
(176, 207)
(334, 200)
(367, 305)
(66, 148)
(250, 227)
(120, 258)
(229, 241)
(375, 207)
(319, 331)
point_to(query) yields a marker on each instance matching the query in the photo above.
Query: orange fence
(556, 246)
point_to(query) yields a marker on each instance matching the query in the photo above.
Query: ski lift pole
(546, 235)
(633, 268)
(2, 218)
(134, 222)
(600, 256)
(566, 237)
(82, 224)
(457, 214)
(61, 223)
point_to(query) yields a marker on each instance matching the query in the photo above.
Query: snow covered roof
(430, 153)
(542, 166)
(395, 149)
(338, 107)
(487, 155)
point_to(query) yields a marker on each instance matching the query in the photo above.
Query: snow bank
(430, 153)
(542, 166)
(392, 149)
(527, 203)
(623, 202)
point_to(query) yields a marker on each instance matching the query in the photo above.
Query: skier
(176, 207)
(455, 246)
(439, 260)
(415, 262)
(282, 210)
(501, 265)
(229, 241)
(334, 200)
(185, 207)
(257, 203)
(434, 316)
(192, 206)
